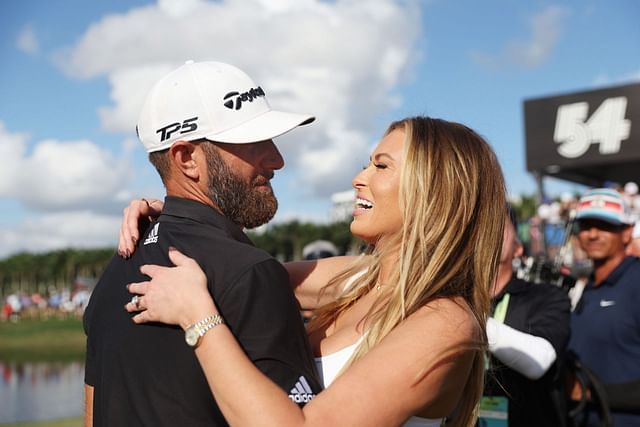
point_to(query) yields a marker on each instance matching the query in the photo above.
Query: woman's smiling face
(377, 211)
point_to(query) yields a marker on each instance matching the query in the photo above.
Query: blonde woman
(399, 332)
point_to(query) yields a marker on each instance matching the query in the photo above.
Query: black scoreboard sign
(588, 137)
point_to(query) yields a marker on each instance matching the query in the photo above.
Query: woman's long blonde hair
(452, 198)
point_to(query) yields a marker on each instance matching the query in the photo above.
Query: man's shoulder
(629, 276)
(534, 293)
(209, 242)
(634, 266)
(224, 257)
(517, 286)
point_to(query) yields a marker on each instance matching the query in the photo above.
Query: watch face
(191, 336)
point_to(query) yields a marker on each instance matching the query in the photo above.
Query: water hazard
(41, 391)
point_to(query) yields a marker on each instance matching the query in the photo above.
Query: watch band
(196, 331)
(209, 322)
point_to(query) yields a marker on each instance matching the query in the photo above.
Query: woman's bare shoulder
(452, 318)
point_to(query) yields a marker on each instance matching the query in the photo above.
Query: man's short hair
(160, 160)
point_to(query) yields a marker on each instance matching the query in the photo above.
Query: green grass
(35, 340)
(64, 422)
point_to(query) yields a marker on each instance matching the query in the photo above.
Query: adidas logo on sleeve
(301, 392)
(153, 235)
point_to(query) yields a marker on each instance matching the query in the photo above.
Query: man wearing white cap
(208, 129)
(605, 325)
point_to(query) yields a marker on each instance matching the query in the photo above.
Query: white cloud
(601, 80)
(77, 229)
(70, 185)
(606, 79)
(545, 30)
(128, 89)
(12, 150)
(179, 8)
(339, 60)
(320, 162)
(60, 175)
(27, 41)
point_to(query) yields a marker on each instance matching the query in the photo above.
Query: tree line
(44, 272)
(60, 269)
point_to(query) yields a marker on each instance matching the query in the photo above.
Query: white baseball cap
(210, 100)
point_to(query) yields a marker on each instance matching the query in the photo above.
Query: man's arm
(528, 354)
(88, 406)
(533, 353)
(551, 317)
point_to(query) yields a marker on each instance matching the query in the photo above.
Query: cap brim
(586, 214)
(263, 127)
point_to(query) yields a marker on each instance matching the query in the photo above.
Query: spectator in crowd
(536, 235)
(319, 249)
(633, 248)
(12, 307)
(527, 334)
(631, 197)
(605, 325)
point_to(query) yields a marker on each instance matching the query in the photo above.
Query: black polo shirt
(147, 374)
(542, 310)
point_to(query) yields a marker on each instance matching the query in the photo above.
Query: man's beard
(239, 201)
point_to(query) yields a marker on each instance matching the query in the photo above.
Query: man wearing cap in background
(605, 325)
(208, 130)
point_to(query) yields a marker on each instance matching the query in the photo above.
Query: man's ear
(626, 234)
(183, 160)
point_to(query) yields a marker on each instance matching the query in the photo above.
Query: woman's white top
(329, 366)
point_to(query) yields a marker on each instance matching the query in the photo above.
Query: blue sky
(74, 74)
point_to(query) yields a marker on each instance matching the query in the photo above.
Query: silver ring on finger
(135, 300)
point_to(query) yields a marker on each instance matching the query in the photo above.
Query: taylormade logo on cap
(210, 100)
(240, 97)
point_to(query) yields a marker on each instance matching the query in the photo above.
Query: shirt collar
(199, 212)
(514, 286)
(617, 272)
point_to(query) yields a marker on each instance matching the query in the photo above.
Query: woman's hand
(129, 233)
(174, 295)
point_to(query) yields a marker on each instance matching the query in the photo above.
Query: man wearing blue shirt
(605, 325)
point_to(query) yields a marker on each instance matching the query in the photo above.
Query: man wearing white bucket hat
(209, 130)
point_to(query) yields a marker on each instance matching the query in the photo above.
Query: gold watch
(194, 332)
